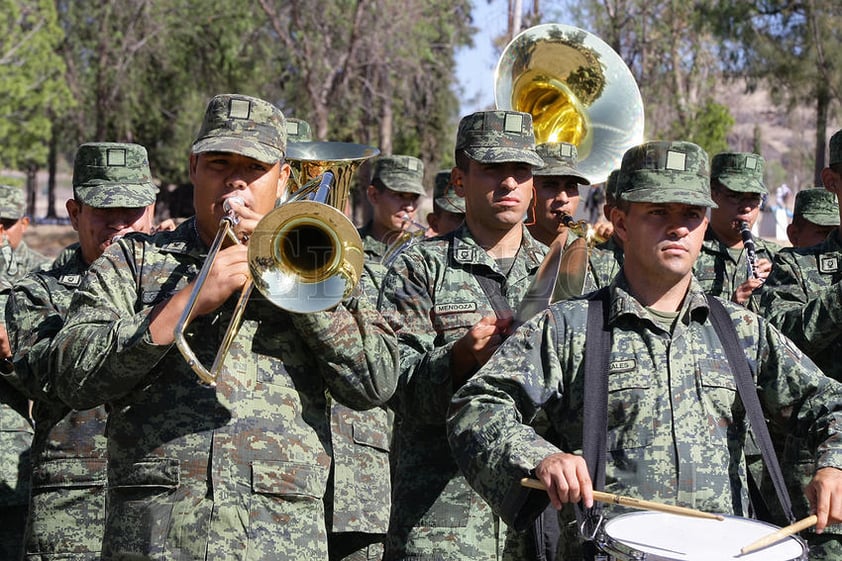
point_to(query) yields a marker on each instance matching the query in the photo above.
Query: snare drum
(658, 536)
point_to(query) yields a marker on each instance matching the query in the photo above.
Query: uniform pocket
(289, 480)
(631, 420)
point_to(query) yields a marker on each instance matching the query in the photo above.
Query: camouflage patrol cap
(113, 175)
(665, 172)
(298, 130)
(817, 205)
(560, 159)
(496, 137)
(12, 202)
(402, 174)
(739, 171)
(835, 148)
(444, 195)
(243, 125)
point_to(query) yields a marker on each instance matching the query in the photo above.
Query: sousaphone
(578, 90)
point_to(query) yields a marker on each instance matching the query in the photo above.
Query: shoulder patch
(828, 264)
(70, 280)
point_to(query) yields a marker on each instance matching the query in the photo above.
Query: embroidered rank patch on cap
(751, 162)
(239, 109)
(676, 161)
(513, 123)
(115, 157)
(566, 149)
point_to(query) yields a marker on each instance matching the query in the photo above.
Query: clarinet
(751, 252)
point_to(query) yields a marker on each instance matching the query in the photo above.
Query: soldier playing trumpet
(238, 469)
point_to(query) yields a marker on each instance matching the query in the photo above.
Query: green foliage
(709, 128)
(32, 87)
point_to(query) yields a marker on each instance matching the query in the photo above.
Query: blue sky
(475, 66)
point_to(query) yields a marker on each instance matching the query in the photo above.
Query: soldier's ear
(831, 180)
(456, 178)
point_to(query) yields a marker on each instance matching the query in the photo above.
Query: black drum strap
(747, 390)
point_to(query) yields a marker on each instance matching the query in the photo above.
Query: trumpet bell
(305, 256)
(577, 89)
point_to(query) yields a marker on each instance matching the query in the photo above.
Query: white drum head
(671, 537)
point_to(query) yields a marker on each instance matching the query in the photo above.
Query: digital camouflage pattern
(298, 130)
(16, 429)
(720, 272)
(739, 171)
(235, 471)
(12, 202)
(835, 149)
(801, 297)
(818, 206)
(498, 137)
(665, 172)
(433, 292)
(67, 504)
(611, 187)
(606, 260)
(374, 270)
(675, 421)
(358, 499)
(402, 174)
(560, 159)
(444, 195)
(113, 175)
(243, 125)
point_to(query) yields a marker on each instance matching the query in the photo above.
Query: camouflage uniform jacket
(716, 269)
(433, 289)
(233, 471)
(606, 259)
(675, 421)
(358, 496)
(374, 251)
(67, 506)
(15, 426)
(801, 297)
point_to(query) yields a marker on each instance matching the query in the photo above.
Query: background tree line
(378, 72)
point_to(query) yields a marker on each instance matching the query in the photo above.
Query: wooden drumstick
(778, 535)
(633, 503)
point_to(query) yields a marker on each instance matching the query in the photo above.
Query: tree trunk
(822, 108)
(31, 187)
(51, 177)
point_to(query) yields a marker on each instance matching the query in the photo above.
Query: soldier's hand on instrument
(229, 273)
(566, 478)
(603, 229)
(763, 268)
(474, 348)
(743, 292)
(825, 495)
(247, 219)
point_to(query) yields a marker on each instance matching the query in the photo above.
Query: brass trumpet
(411, 233)
(583, 229)
(304, 256)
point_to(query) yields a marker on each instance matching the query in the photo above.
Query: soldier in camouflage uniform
(357, 500)
(448, 207)
(556, 192)
(396, 184)
(16, 256)
(16, 260)
(672, 435)
(113, 195)
(607, 257)
(736, 185)
(814, 216)
(801, 297)
(236, 470)
(453, 296)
